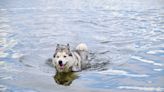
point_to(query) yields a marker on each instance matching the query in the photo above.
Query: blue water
(125, 39)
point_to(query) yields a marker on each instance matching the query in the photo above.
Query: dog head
(62, 58)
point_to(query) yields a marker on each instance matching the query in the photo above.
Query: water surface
(125, 38)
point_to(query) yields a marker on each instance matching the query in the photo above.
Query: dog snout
(60, 62)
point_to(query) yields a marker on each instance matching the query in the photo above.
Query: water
(125, 38)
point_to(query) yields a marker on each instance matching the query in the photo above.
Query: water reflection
(65, 79)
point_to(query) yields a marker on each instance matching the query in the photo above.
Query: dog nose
(60, 62)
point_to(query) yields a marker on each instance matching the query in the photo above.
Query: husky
(66, 60)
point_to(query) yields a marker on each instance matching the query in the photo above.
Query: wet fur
(73, 60)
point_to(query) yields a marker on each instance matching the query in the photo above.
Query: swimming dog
(66, 60)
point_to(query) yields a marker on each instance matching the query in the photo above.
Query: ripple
(7, 44)
(4, 26)
(3, 88)
(3, 54)
(3, 33)
(5, 77)
(10, 44)
(155, 52)
(158, 89)
(16, 55)
(2, 62)
(158, 69)
(122, 72)
(91, 23)
(8, 67)
(146, 61)
(104, 42)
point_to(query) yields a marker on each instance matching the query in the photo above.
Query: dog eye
(65, 56)
(70, 54)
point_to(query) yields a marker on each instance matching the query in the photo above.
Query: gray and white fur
(66, 60)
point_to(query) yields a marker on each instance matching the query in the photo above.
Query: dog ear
(54, 55)
(70, 54)
(68, 46)
(57, 46)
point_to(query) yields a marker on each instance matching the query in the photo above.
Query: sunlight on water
(158, 69)
(142, 88)
(146, 61)
(125, 40)
(156, 52)
(122, 73)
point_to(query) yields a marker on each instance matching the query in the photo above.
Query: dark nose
(60, 62)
